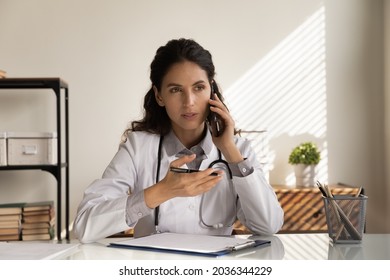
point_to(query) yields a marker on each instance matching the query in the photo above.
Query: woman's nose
(189, 98)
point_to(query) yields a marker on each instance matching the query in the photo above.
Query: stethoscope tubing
(219, 160)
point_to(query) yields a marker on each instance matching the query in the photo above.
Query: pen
(360, 190)
(184, 170)
(323, 192)
(321, 188)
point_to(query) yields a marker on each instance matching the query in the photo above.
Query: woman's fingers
(183, 160)
(192, 184)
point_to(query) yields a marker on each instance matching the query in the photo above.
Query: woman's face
(185, 92)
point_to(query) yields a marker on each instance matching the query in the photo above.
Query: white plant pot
(304, 175)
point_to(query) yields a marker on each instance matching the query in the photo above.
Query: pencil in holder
(345, 217)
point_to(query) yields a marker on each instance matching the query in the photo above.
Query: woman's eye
(175, 90)
(199, 88)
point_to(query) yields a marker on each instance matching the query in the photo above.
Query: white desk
(109, 263)
(283, 247)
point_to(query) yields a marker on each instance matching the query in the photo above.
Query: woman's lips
(189, 116)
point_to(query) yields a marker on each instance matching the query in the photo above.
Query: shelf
(31, 83)
(58, 86)
(49, 168)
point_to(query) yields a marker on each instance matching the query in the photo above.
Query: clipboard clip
(245, 245)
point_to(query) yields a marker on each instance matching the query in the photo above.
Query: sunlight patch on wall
(285, 94)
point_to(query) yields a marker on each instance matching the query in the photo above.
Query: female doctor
(139, 189)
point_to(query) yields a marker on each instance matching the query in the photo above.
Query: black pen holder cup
(346, 218)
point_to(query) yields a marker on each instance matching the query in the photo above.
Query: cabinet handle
(30, 149)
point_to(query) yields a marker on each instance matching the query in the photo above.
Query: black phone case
(215, 122)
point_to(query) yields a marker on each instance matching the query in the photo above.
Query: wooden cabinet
(303, 209)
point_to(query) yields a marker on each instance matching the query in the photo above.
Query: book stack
(10, 219)
(38, 220)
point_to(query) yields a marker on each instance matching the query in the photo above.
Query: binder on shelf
(38, 206)
(189, 243)
(38, 221)
(10, 219)
(11, 208)
(27, 221)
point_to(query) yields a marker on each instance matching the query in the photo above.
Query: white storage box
(31, 148)
(3, 149)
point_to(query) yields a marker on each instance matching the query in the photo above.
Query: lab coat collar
(173, 146)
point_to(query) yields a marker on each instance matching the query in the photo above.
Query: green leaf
(305, 153)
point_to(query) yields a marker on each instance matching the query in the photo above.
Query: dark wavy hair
(155, 119)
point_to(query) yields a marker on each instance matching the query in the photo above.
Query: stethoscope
(218, 161)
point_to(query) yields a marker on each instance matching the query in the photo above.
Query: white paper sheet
(33, 250)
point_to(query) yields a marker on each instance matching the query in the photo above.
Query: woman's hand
(181, 184)
(225, 142)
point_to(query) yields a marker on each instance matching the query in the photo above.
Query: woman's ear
(157, 95)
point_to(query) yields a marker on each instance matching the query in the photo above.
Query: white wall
(355, 100)
(330, 93)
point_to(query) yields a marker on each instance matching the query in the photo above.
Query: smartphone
(214, 120)
(183, 170)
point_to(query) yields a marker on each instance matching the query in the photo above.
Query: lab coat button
(244, 170)
(139, 214)
(191, 206)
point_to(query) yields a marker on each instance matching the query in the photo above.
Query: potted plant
(305, 157)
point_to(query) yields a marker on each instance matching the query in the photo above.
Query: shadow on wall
(285, 94)
(281, 166)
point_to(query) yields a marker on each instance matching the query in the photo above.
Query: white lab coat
(102, 211)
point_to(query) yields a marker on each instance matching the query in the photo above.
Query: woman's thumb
(183, 160)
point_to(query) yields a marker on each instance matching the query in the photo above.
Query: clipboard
(208, 245)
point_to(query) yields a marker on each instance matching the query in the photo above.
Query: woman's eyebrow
(179, 85)
(173, 85)
(199, 82)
